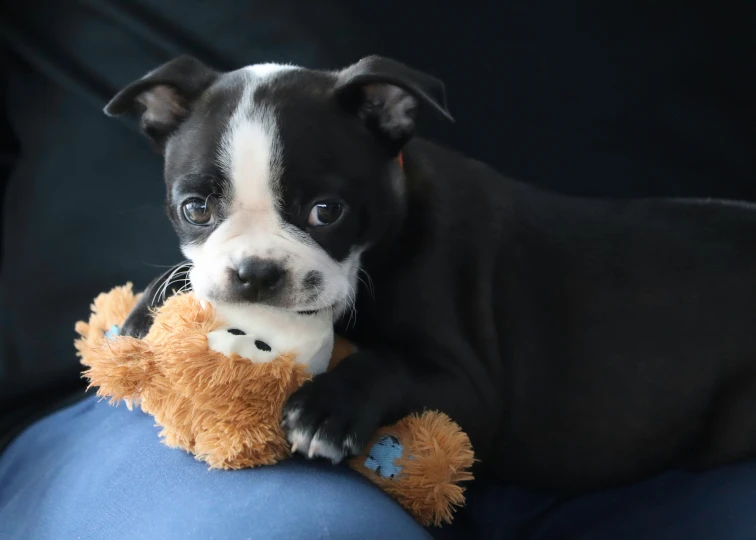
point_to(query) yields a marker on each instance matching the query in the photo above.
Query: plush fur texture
(226, 410)
(194, 393)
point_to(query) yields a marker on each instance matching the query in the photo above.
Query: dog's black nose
(256, 279)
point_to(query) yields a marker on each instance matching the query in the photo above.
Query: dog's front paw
(330, 420)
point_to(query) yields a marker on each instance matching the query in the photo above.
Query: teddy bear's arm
(119, 368)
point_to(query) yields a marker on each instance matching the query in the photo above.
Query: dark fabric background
(627, 98)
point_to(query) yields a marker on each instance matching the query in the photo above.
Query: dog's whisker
(174, 275)
(351, 301)
(369, 283)
(322, 294)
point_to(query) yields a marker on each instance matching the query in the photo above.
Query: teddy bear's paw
(231, 341)
(383, 455)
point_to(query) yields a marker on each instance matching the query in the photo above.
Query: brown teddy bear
(216, 380)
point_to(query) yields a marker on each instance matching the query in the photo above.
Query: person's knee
(304, 500)
(96, 468)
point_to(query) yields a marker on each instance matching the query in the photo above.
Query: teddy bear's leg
(420, 462)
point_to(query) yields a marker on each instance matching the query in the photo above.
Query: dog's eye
(197, 212)
(325, 213)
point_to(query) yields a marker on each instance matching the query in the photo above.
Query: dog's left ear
(386, 94)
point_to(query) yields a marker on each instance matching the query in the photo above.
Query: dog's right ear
(163, 98)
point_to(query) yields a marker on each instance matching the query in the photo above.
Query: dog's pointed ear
(163, 98)
(386, 95)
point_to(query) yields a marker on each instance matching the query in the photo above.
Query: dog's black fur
(580, 343)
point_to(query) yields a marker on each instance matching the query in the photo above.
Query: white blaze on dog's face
(279, 177)
(253, 226)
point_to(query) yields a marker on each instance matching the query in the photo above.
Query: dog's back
(629, 333)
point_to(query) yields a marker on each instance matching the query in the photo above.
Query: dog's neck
(409, 189)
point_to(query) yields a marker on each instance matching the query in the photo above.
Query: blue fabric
(113, 332)
(93, 471)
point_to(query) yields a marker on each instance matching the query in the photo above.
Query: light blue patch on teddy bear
(382, 455)
(113, 332)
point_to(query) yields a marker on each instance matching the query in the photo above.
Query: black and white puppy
(580, 343)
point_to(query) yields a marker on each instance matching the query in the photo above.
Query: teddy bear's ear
(108, 311)
(119, 368)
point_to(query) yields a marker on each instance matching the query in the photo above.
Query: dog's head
(279, 177)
